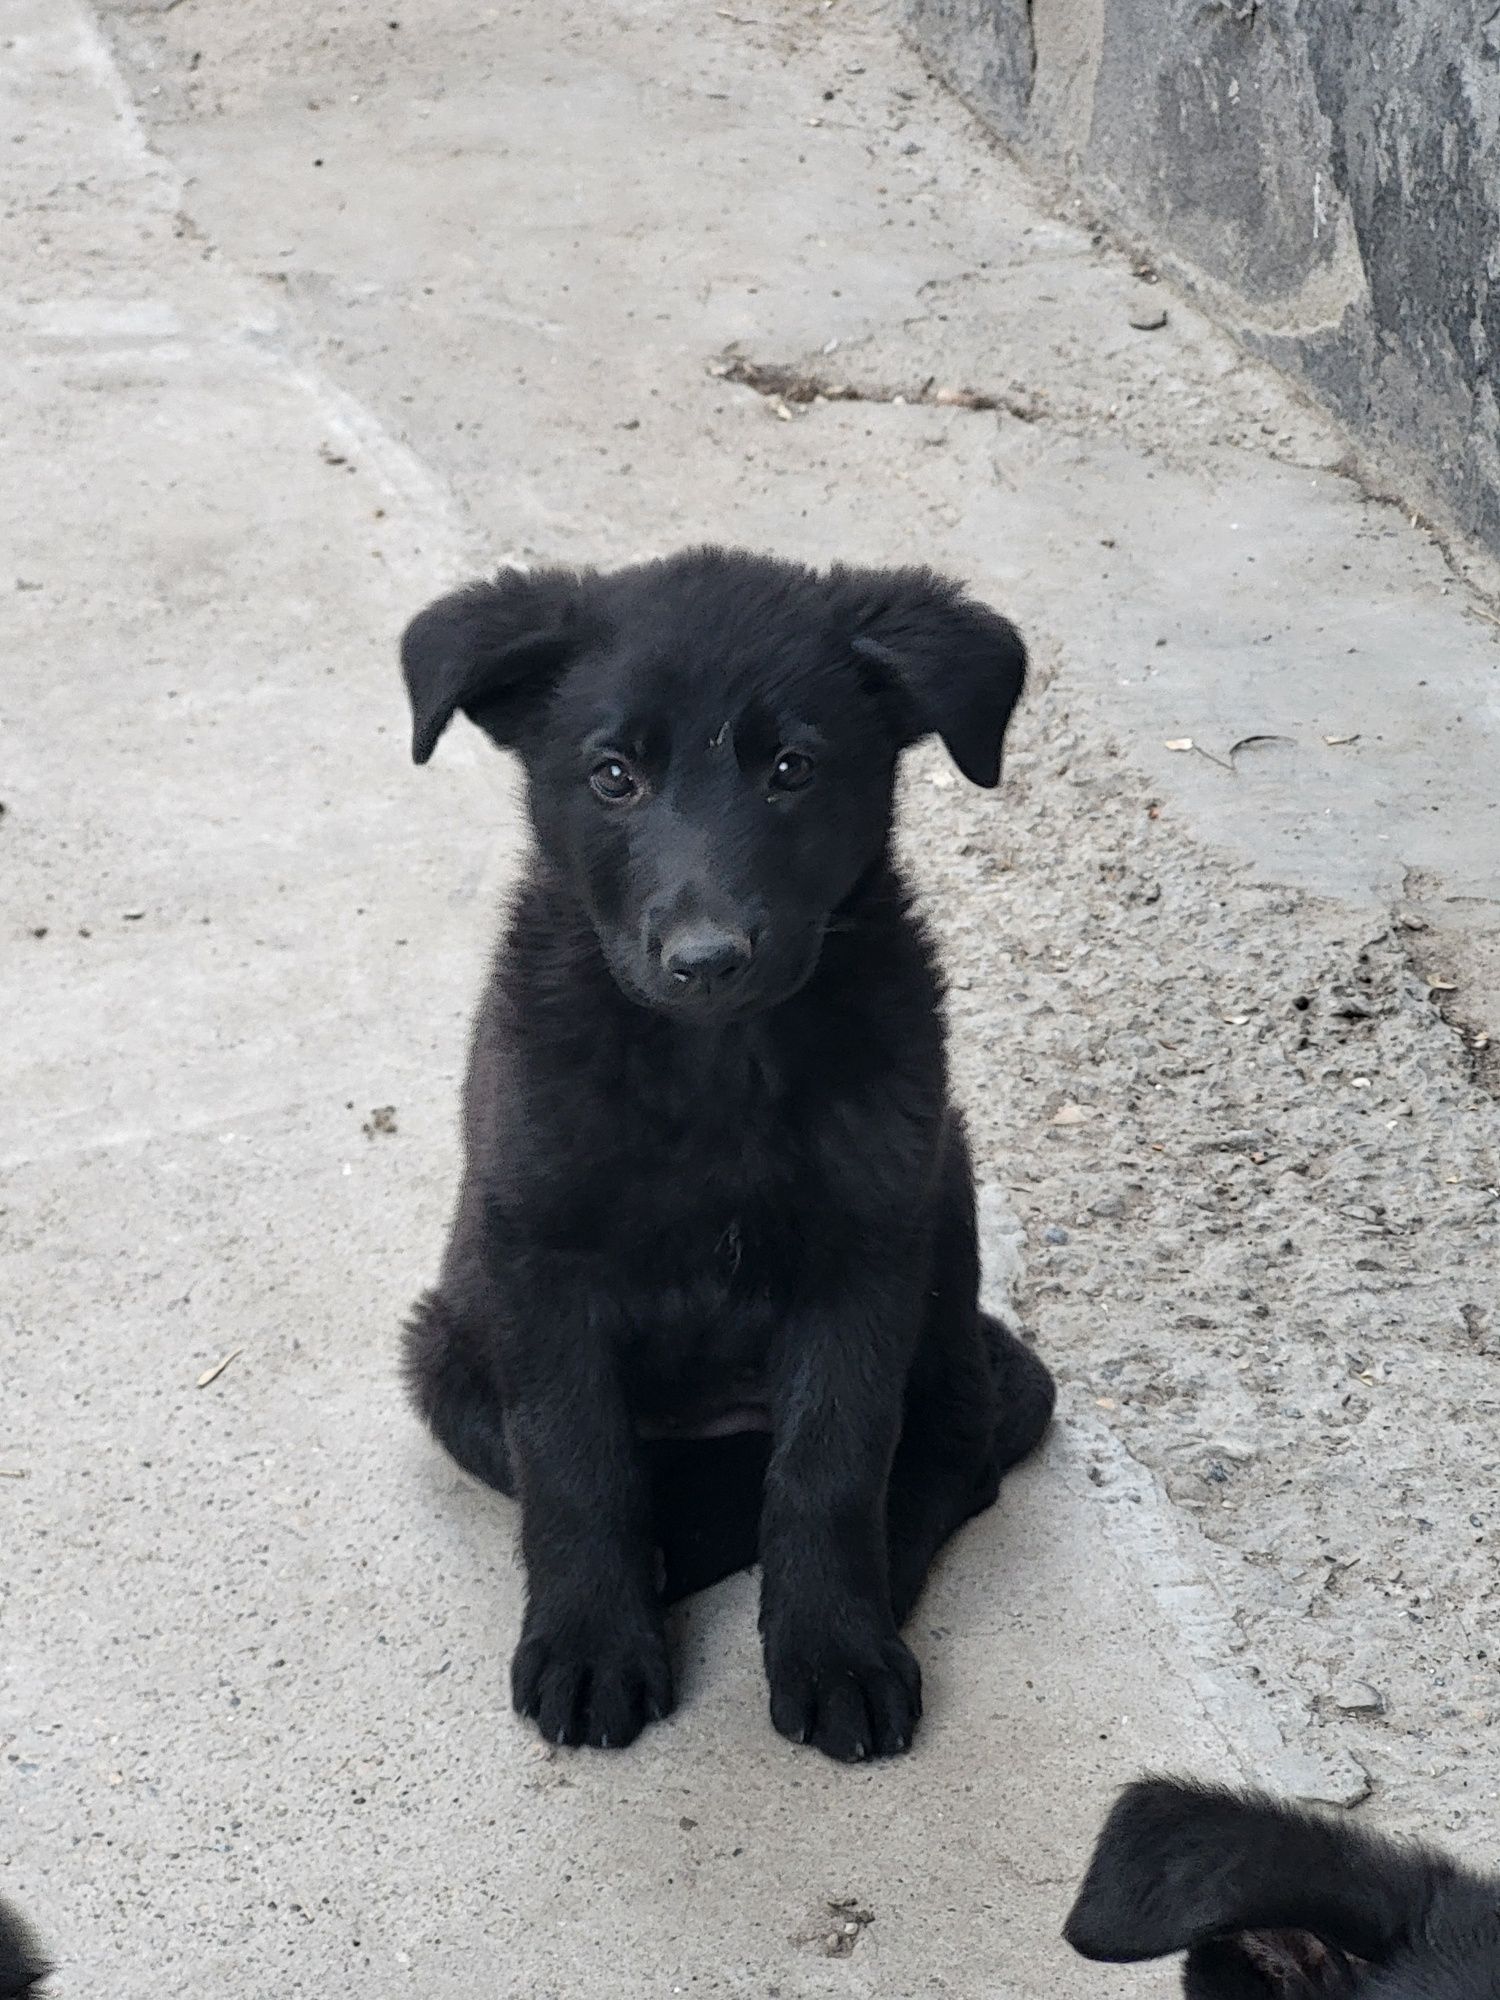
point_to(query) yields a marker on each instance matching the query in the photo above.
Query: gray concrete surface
(1328, 176)
(308, 315)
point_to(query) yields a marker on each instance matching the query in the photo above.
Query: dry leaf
(213, 1374)
(1442, 986)
(1249, 742)
(1342, 739)
(7, 1473)
(1235, 1020)
(1074, 1114)
(1179, 742)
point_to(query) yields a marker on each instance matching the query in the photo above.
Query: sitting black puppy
(711, 1287)
(1273, 1903)
(22, 1969)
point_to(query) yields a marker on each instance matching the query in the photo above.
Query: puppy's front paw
(852, 1697)
(590, 1683)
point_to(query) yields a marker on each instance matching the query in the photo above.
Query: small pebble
(1053, 1233)
(1358, 1698)
(1346, 1787)
(1238, 1450)
(1149, 319)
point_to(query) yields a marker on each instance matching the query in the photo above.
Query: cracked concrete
(312, 314)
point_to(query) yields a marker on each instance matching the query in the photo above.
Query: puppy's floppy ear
(493, 650)
(1270, 1903)
(941, 663)
(22, 1968)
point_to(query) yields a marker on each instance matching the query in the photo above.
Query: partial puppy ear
(22, 1967)
(493, 650)
(941, 663)
(1269, 1902)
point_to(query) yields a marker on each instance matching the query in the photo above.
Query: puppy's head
(1272, 1903)
(710, 744)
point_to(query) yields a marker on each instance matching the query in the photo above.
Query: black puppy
(22, 1969)
(714, 1185)
(1273, 1903)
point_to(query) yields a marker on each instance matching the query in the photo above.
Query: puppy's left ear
(941, 664)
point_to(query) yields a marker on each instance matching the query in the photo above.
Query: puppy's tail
(1027, 1392)
(22, 1969)
(454, 1394)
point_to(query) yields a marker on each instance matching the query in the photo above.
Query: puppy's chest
(698, 1218)
(705, 1209)
(701, 1297)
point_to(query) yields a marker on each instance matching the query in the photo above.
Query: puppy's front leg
(592, 1665)
(840, 1675)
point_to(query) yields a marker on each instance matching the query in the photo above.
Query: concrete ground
(310, 311)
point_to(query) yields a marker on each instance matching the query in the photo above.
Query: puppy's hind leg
(977, 1399)
(454, 1393)
(1026, 1389)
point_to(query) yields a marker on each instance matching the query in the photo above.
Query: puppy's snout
(703, 957)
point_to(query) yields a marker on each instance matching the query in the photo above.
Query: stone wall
(1326, 172)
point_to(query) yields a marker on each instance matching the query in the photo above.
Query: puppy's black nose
(704, 955)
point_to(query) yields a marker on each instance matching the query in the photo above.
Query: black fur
(1273, 1903)
(711, 1287)
(22, 1968)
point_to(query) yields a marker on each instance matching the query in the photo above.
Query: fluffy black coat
(1270, 1902)
(711, 1291)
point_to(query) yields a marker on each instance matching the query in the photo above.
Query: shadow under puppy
(711, 1290)
(1273, 1903)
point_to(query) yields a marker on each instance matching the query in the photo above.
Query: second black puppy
(22, 1968)
(711, 1290)
(1272, 1902)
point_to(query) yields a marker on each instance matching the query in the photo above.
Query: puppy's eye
(791, 771)
(613, 781)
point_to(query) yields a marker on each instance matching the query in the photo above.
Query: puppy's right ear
(494, 650)
(1269, 1902)
(22, 1968)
